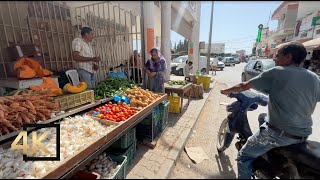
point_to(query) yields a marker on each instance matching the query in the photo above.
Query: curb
(174, 154)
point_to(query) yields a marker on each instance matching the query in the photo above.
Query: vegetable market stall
(71, 165)
(179, 89)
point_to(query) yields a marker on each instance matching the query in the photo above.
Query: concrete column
(148, 19)
(195, 39)
(166, 34)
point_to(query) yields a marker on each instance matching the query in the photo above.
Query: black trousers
(137, 76)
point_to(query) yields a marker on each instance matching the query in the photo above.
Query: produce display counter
(69, 167)
(11, 136)
(180, 90)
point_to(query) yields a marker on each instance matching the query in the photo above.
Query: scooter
(289, 162)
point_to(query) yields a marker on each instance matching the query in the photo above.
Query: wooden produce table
(73, 164)
(180, 90)
(70, 166)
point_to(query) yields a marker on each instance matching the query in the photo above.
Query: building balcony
(283, 33)
(187, 9)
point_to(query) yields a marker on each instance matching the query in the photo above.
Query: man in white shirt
(188, 69)
(307, 61)
(308, 57)
(84, 57)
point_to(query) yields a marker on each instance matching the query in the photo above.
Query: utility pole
(267, 33)
(209, 43)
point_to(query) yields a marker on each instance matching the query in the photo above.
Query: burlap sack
(196, 91)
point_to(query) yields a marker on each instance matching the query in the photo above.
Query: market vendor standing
(156, 68)
(84, 58)
(136, 64)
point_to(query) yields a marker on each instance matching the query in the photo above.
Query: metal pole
(209, 42)
(143, 51)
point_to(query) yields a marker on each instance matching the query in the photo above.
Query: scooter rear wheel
(222, 133)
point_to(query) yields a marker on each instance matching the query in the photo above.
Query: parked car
(220, 64)
(252, 58)
(176, 61)
(219, 58)
(228, 61)
(177, 66)
(256, 67)
(236, 58)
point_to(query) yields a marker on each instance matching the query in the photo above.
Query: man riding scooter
(293, 94)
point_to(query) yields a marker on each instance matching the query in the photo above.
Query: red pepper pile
(115, 112)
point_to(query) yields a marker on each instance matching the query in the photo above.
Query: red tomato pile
(115, 112)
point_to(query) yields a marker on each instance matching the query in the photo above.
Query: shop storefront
(313, 46)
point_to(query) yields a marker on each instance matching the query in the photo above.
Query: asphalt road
(220, 166)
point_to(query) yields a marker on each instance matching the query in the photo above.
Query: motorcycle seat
(307, 153)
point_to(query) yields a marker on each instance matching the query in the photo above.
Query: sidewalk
(158, 162)
(204, 135)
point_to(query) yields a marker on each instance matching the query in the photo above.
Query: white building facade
(217, 48)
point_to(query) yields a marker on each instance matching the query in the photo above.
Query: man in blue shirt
(293, 94)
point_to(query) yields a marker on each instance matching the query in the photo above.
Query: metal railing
(48, 26)
(116, 29)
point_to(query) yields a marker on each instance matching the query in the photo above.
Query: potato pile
(27, 108)
(141, 98)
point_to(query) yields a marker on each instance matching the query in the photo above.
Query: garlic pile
(75, 134)
(104, 166)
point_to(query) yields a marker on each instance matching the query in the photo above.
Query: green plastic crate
(126, 140)
(164, 113)
(155, 115)
(129, 152)
(120, 160)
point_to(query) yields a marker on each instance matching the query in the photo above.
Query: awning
(280, 45)
(299, 40)
(312, 44)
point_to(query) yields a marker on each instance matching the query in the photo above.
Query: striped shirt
(85, 49)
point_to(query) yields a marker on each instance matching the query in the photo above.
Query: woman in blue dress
(156, 68)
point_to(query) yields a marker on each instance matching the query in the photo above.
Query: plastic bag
(118, 75)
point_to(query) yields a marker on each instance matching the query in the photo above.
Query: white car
(229, 61)
(215, 61)
(177, 65)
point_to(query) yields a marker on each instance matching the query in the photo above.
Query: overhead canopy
(280, 45)
(312, 44)
(299, 40)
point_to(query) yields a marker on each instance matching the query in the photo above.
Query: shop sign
(202, 45)
(315, 21)
(36, 144)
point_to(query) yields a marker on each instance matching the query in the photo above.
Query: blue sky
(234, 21)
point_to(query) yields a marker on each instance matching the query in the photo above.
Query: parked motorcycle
(289, 162)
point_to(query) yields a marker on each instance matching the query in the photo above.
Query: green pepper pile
(171, 83)
(111, 86)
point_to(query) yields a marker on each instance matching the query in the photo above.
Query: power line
(248, 37)
(243, 41)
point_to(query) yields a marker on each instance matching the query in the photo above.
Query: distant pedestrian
(307, 61)
(187, 70)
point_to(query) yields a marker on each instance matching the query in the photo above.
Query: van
(177, 66)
